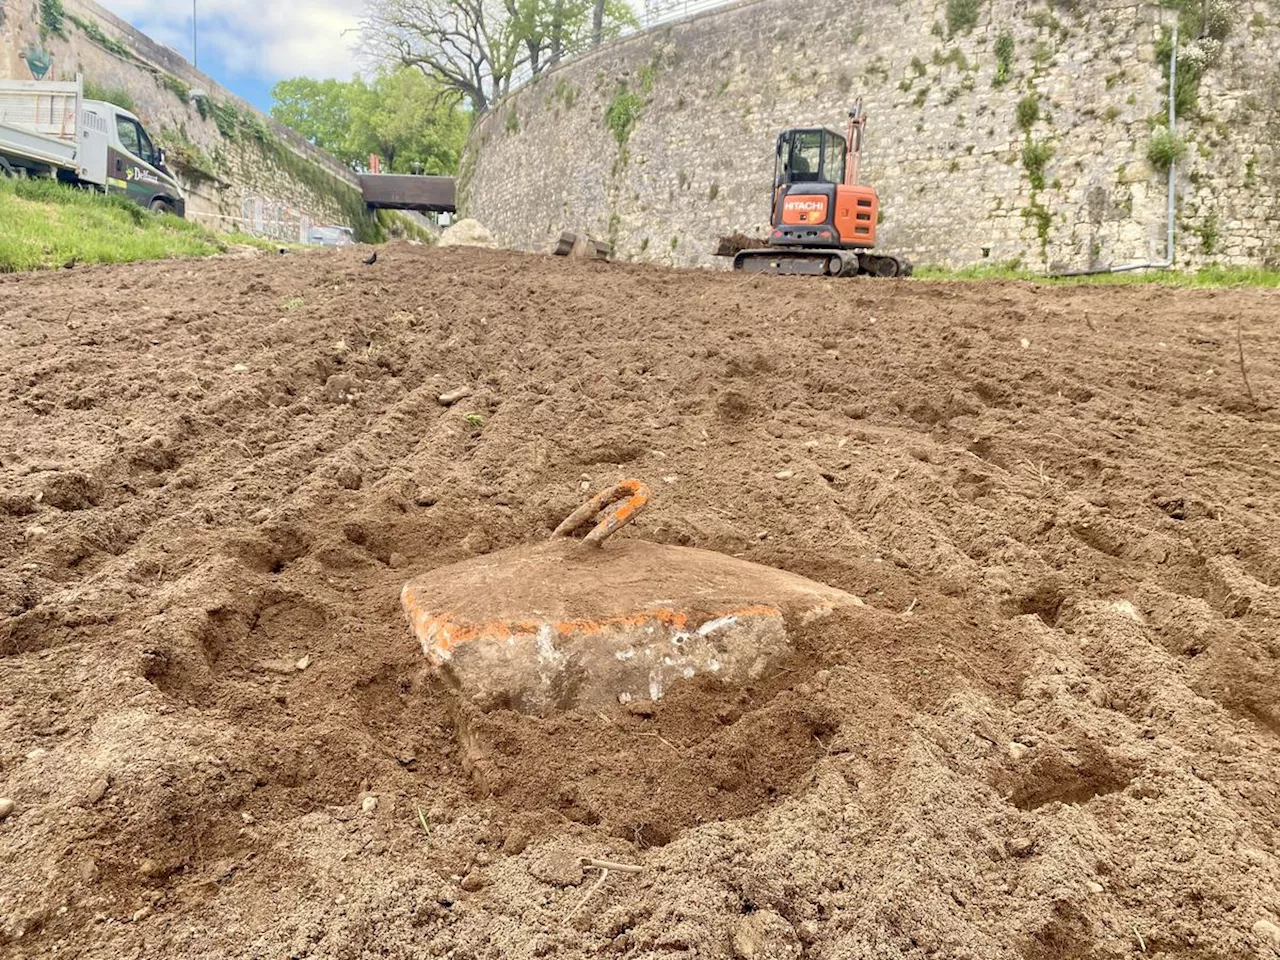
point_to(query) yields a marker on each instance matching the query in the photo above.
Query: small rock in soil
(515, 842)
(557, 867)
(764, 935)
(1268, 931)
(369, 804)
(71, 491)
(1021, 847)
(349, 477)
(473, 881)
(6, 808)
(97, 790)
(453, 396)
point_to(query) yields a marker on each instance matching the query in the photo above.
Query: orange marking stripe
(444, 633)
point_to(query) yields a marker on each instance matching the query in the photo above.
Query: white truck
(48, 129)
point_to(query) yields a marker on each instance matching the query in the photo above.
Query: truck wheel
(6, 170)
(161, 206)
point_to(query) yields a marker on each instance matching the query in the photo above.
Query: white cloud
(269, 39)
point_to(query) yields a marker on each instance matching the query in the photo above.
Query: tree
(319, 110)
(402, 116)
(478, 48)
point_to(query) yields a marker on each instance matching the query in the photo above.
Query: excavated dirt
(1053, 733)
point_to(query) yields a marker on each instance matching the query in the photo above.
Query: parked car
(332, 236)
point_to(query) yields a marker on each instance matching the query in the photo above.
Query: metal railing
(661, 11)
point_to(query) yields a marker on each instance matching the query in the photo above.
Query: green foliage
(1044, 20)
(51, 18)
(176, 86)
(1028, 112)
(714, 191)
(44, 223)
(97, 91)
(1038, 214)
(1202, 26)
(513, 120)
(402, 116)
(962, 16)
(623, 112)
(186, 157)
(1165, 149)
(1035, 157)
(94, 32)
(1206, 277)
(1251, 170)
(918, 67)
(1111, 114)
(565, 93)
(1209, 234)
(955, 56)
(920, 97)
(1004, 60)
(398, 225)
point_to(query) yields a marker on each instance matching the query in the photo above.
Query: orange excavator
(824, 220)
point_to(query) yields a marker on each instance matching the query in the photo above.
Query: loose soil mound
(1052, 733)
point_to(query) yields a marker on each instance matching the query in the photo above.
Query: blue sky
(247, 45)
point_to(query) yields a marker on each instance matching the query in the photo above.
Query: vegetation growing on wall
(623, 112)
(186, 156)
(1028, 112)
(94, 32)
(242, 126)
(1035, 158)
(51, 18)
(962, 16)
(1203, 25)
(1004, 60)
(117, 95)
(1165, 149)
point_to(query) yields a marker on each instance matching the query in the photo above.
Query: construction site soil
(1052, 732)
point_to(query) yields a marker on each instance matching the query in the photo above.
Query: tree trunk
(557, 33)
(597, 24)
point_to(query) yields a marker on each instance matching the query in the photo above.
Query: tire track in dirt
(231, 468)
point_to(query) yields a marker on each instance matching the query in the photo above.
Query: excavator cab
(815, 155)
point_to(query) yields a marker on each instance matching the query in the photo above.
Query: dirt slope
(1052, 733)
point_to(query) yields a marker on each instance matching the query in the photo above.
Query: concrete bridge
(398, 191)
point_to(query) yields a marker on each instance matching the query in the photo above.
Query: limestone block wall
(240, 169)
(1000, 131)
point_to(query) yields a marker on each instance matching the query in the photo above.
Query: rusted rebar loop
(631, 496)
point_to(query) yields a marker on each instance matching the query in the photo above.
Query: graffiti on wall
(264, 217)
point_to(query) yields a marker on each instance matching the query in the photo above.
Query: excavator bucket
(577, 623)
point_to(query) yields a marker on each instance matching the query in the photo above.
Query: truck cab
(135, 166)
(48, 129)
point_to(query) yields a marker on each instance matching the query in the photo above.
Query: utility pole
(195, 49)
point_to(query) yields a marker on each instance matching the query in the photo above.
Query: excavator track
(819, 262)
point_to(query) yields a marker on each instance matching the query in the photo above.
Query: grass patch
(47, 224)
(1204, 277)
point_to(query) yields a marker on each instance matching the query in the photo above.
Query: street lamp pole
(195, 50)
